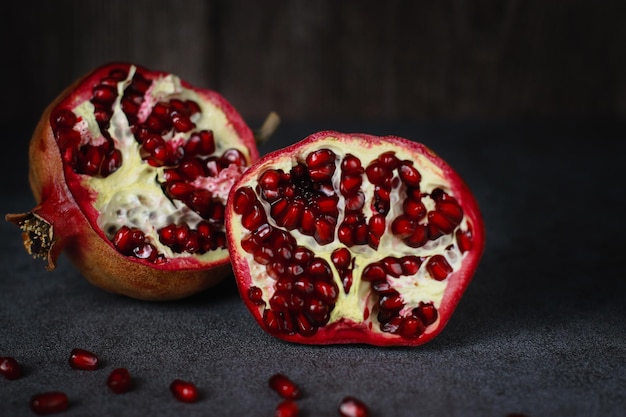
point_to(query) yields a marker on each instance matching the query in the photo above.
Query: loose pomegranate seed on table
(49, 402)
(83, 359)
(119, 380)
(287, 408)
(284, 386)
(184, 391)
(353, 407)
(10, 368)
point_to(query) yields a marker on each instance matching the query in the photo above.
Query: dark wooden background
(329, 59)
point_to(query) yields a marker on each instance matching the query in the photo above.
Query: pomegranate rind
(348, 331)
(64, 205)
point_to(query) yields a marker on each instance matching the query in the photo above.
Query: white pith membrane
(132, 196)
(359, 304)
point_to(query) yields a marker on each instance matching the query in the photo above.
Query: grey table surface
(541, 331)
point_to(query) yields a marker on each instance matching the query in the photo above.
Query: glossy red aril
(346, 238)
(131, 169)
(10, 368)
(119, 380)
(184, 391)
(284, 386)
(353, 407)
(83, 359)
(287, 408)
(49, 402)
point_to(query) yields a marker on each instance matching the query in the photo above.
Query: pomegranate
(131, 170)
(352, 238)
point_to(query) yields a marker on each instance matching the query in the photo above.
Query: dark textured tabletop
(541, 331)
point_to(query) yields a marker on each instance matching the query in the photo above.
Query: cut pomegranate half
(131, 169)
(352, 238)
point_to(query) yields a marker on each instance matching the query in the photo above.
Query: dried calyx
(353, 238)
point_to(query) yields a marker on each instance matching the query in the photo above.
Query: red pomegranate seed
(324, 232)
(414, 209)
(464, 240)
(355, 202)
(376, 173)
(451, 209)
(374, 272)
(192, 107)
(410, 265)
(184, 391)
(83, 360)
(285, 387)
(327, 291)
(111, 163)
(181, 123)
(351, 165)
(67, 137)
(119, 380)
(304, 285)
(438, 267)
(127, 239)
(287, 408)
(411, 327)
(304, 325)
(255, 294)
(427, 313)
(146, 251)
(270, 179)
(409, 175)
(104, 94)
(392, 266)
(232, 157)
(353, 407)
(341, 258)
(418, 238)
(350, 184)
(254, 217)
(327, 205)
(320, 158)
(377, 224)
(49, 402)
(140, 83)
(244, 198)
(62, 118)
(392, 301)
(10, 368)
(438, 224)
(179, 190)
(270, 318)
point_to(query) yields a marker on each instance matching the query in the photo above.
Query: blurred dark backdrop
(342, 60)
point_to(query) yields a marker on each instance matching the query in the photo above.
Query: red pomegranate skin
(64, 203)
(348, 331)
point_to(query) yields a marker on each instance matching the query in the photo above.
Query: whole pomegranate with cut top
(131, 169)
(352, 238)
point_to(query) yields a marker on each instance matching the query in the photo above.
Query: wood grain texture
(392, 60)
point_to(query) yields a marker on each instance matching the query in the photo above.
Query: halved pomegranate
(131, 169)
(352, 238)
